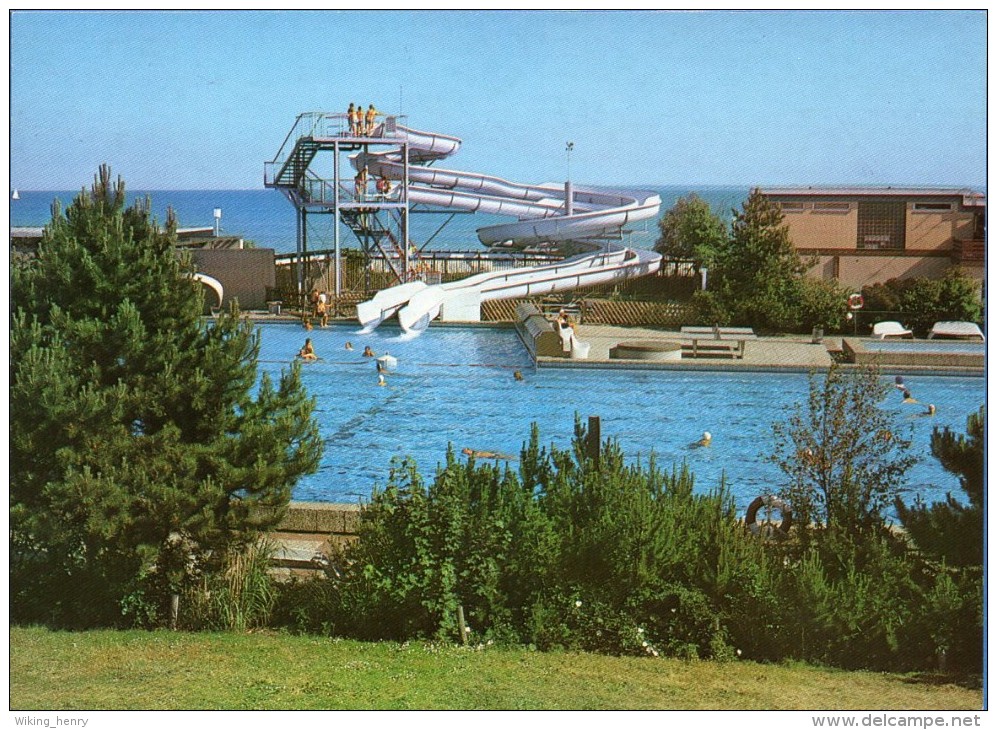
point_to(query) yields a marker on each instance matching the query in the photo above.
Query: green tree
(691, 231)
(842, 454)
(755, 274)
(951, 530)
(139, 454)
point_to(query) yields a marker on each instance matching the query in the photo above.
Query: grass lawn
(134, 670)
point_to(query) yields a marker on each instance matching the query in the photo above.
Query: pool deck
(783, 353)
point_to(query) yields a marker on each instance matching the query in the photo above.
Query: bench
(746, 333)
(718, 341)
(714, 346)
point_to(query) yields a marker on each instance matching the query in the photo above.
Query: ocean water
(267, 218)
(454, 386)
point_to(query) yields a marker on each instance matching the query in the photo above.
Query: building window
(829, 207)
(792, 207)
(882, 224)
(932, 207)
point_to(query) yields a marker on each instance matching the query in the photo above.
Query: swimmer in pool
(349, 345)
(367, 352)
(930, 411)
(381, 380)
(518, 375)
(307, 352)
(899, 384)
(487, 455)
(479, 454)
(706, 440)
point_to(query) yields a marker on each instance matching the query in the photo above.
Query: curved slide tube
(546, 221)
(212, 283)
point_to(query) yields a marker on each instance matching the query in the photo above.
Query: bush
(574, 551)
(821, 303)
(552, 556)
(921, 301)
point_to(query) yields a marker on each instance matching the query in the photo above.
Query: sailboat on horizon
(15, 195)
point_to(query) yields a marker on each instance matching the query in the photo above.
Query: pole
(461, 624)
(297, 260)
(594, 440)
(405, 231)
(335, 209)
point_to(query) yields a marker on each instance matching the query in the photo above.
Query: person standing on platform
(356, 120)
(351, 118)
(371, 116)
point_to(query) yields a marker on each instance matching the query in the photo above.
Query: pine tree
(139, 454)
(757, 271)
(952, 530)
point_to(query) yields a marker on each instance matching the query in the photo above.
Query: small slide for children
(550, 218)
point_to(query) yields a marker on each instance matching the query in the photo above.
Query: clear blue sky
(201, 99)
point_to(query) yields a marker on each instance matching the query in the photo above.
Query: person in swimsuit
(307, 352)
(371, 116)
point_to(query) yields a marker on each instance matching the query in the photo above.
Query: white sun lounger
(956, 330)
(882, 330)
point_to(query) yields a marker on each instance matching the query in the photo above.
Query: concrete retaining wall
(309, 534)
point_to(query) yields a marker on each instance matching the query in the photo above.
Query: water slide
(550, 218)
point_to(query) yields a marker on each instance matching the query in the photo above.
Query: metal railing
(323, 125)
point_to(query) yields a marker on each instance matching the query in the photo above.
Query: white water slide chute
(550, 218)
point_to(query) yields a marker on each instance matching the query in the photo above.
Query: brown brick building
(869, 235)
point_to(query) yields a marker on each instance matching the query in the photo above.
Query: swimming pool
(455, 385)
(930, 346)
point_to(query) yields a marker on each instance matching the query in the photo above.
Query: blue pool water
(456, 386)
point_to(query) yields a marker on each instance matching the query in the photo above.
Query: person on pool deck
(367, 352)
(307, 352)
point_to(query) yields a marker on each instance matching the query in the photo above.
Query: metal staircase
(367, 226)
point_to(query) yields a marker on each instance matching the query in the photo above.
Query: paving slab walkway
(764, 353)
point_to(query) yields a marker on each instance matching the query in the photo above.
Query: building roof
(969, 197)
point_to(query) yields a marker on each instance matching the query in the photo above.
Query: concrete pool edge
(856, 351)
(730, 367)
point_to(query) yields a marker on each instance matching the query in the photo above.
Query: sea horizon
(266, 219)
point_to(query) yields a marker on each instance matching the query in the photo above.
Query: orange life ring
(855, 301)
(772, 502)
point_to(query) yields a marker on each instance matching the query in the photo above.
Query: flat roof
(969, 197)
